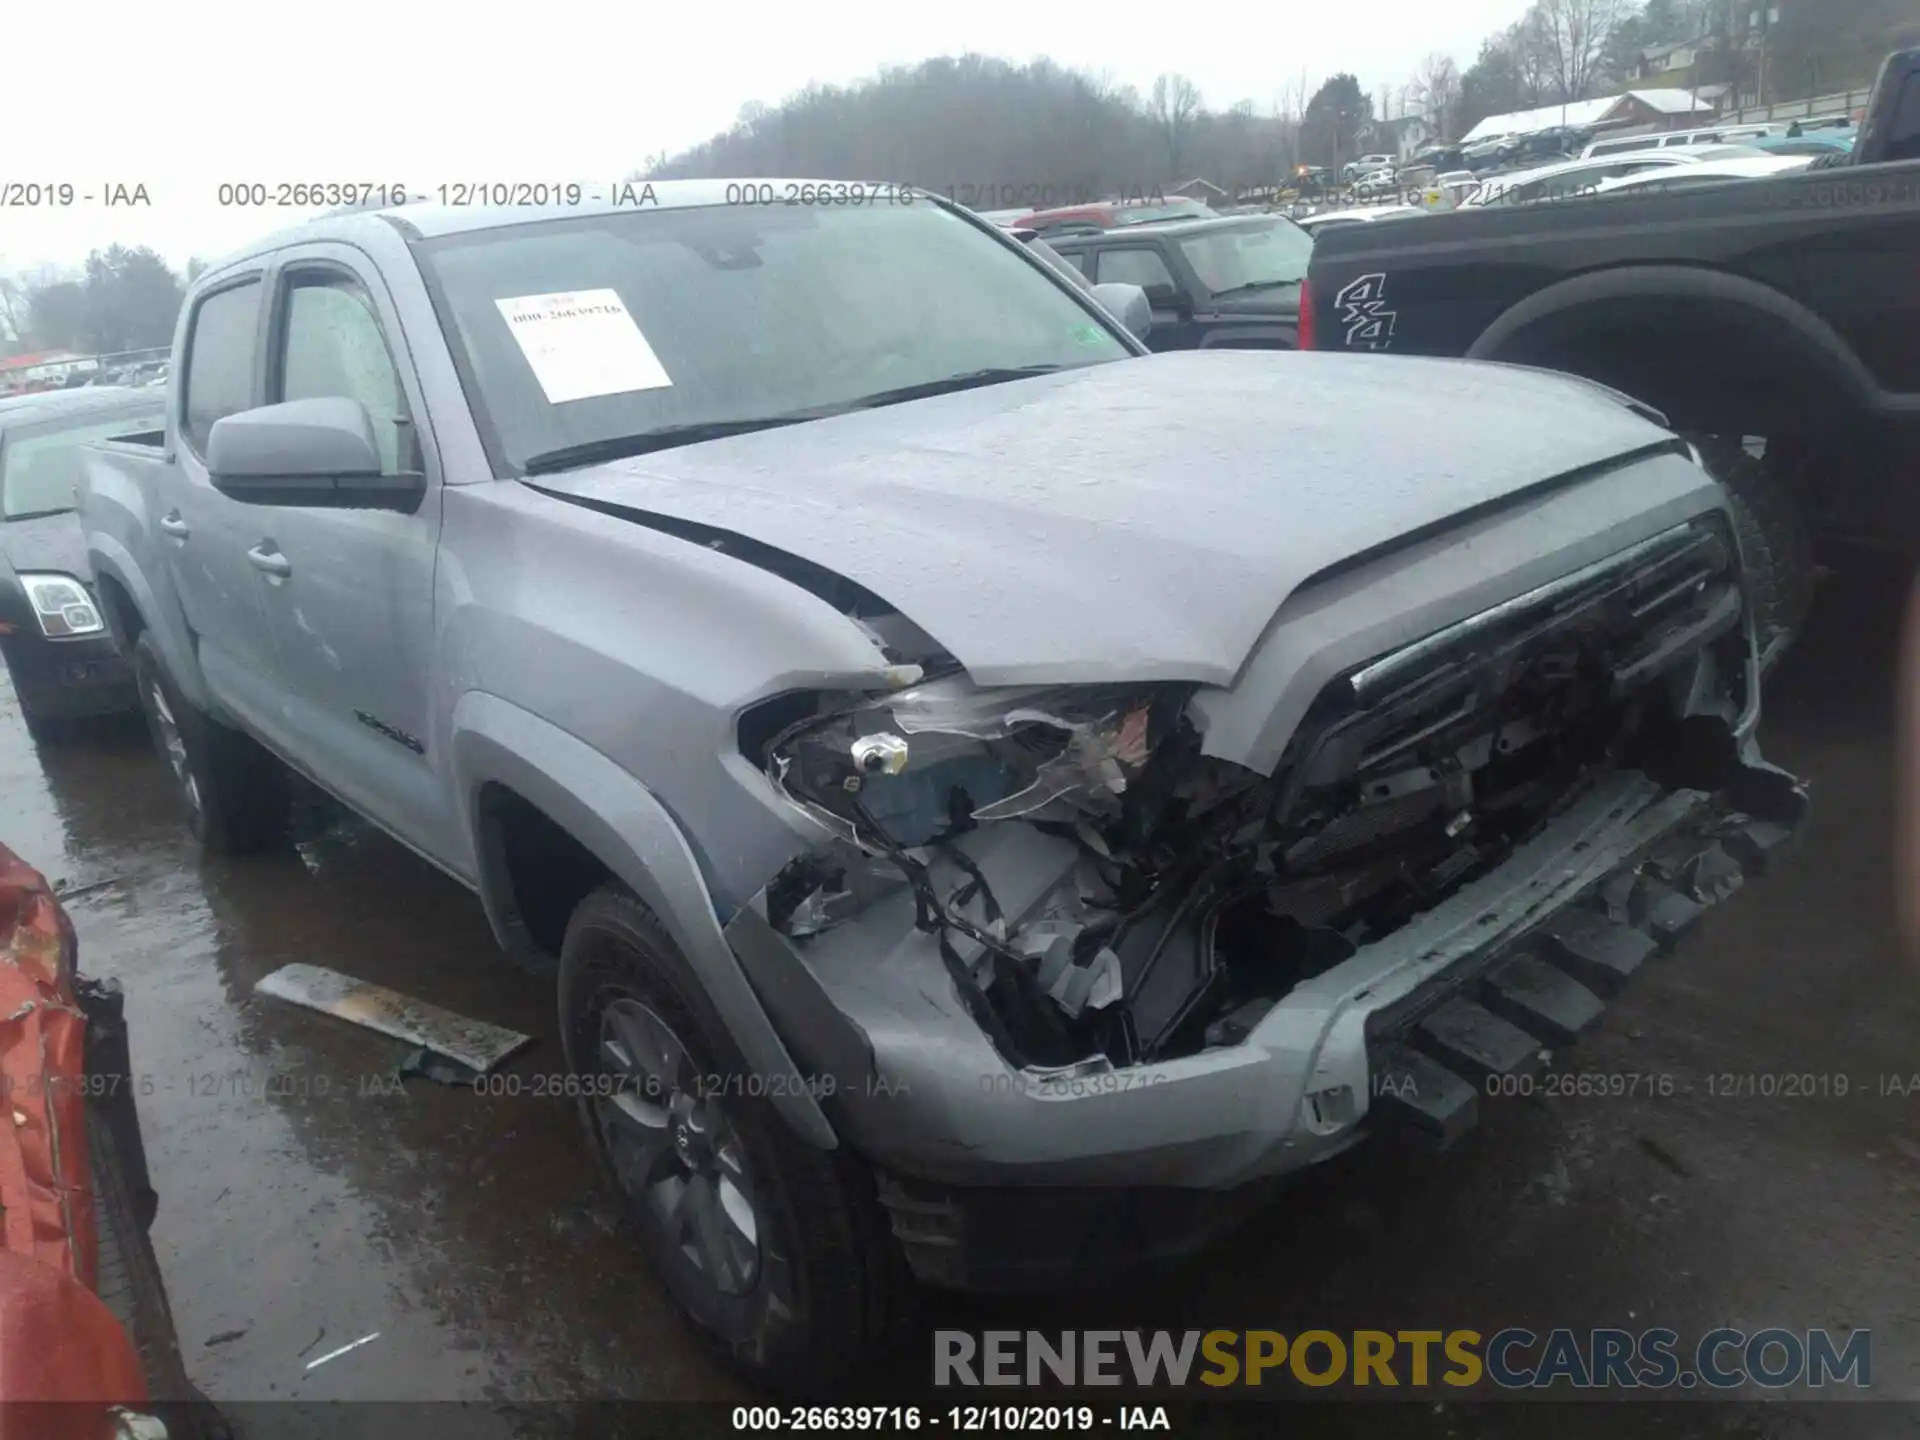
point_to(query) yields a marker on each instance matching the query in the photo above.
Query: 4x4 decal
(1363, 309)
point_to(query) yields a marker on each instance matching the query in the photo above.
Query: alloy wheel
(674, 1148)
(173, 746)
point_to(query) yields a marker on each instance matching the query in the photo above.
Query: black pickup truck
(1775, 321)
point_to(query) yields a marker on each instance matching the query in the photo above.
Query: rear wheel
(1776, 541)
(776, 1252)
(233, 792)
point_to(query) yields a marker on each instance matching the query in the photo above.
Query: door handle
(270, 561)
(174, 525)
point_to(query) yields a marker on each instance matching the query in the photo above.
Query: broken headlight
(938, 759)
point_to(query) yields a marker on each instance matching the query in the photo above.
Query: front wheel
(774, 1251)
(1776, 541)
(233, 793)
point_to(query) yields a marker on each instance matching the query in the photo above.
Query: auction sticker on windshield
(582, 343)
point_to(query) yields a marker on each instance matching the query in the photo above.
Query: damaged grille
(1204, 893)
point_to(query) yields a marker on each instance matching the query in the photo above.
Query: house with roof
(1204, 191)
(1401, 135)
(1634, 112)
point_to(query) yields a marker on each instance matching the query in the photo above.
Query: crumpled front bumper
(1404, 1035)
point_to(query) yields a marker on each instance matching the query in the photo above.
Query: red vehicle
(1111, 214)
(87, 1344)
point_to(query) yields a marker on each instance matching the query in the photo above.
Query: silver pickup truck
(992, 799)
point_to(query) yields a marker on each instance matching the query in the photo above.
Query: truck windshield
(1243, 258)
(667, 326)
(39, 469)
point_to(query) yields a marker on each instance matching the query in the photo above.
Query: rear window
(39, 467)
(1903, 136)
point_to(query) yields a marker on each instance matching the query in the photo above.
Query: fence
(1844, 102)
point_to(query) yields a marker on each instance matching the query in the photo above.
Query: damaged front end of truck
(1053, 940)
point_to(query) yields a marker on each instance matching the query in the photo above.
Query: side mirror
(317, 452)
(1129, 305)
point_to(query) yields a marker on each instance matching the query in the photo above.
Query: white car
(1706, 135)
(1707, 172)
(1376, 182)
(1331, 219)
(1569, 179)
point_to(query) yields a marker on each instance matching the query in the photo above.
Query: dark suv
(1232, 281)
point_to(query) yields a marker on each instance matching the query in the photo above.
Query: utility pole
(1766, 35)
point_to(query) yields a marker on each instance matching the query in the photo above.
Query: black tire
(826, 1273)
(1776, 542)
(233, 792)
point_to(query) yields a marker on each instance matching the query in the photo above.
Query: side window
(1075, 258)
(1903, 130)
(218, 378)
(331, 344)
(1136, 265)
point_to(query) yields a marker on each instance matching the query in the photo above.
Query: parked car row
(1571, 179)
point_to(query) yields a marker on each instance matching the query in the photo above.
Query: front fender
(632, 834)
(1769, 322)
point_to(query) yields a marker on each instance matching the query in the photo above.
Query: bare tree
(1174, 100)
(1572, 38)
(1436, 90)
(1532, 53)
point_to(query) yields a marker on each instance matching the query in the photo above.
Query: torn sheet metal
(473, 1043)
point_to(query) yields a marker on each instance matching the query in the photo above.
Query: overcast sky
(182, 96)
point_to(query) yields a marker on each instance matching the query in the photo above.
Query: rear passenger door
(202, 533)
(350, 594)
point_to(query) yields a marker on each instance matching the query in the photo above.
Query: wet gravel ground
(306, 1201)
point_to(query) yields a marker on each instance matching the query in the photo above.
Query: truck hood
(52, 542)
(1139, 520)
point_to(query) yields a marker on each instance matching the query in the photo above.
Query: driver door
(350, 596)
(1144, 265)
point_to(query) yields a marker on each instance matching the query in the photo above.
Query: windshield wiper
(971, 380)
(37, 514)
(667, 437)
(1256, 285)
